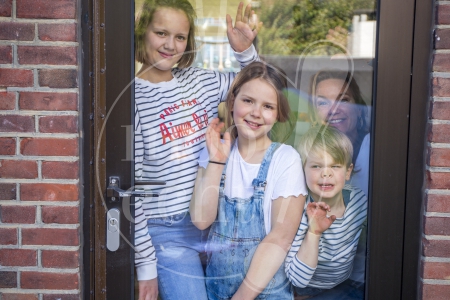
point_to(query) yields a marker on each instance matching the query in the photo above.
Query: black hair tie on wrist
(216, 162)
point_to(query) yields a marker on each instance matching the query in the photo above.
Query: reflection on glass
(327, 49)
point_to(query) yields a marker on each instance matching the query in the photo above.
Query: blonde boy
(323, 250)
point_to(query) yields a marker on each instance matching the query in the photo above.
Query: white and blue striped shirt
(337, 245)
(170, 124)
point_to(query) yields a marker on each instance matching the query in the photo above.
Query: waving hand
(245, 28)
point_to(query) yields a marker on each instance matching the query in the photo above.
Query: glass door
(327, 51)
(346, 46)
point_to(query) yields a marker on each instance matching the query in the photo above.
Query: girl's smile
(166, 41)
(255, 111)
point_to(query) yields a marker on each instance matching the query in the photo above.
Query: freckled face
(255, 110)
(336, 107)
(166, 38)
(324, 177)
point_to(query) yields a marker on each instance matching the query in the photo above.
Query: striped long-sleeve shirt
(337, 245)
(170, 124)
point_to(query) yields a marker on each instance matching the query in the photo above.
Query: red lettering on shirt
(165, 133)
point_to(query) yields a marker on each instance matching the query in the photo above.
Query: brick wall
(436, 236)
(39, 148)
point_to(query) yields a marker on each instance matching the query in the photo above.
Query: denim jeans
(178, 244)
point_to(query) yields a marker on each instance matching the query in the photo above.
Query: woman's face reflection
(336, 106)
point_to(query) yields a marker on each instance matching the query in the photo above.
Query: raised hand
(317, 217)
(245, 28)
(218, 150)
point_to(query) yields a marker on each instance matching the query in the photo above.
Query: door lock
(113, 229)
(113, 225)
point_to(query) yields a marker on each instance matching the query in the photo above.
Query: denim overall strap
(234, 238)
(260, 180)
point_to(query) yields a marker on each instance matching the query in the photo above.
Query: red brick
(440, 110)
(7, 191)
(49, 147)
(59, 259)
(47, 55)
(435, 248)
(19, 296)
(439, 133)
(60, 215)
(17, 31)
(435, 292)
(18, 214)
(438, 180)
(26, 169)
(16, 123)
(58, 124)
(7, 146)
(5, 54)
(443, 14)
(58, 78)
(61, 297)
(48, 281)
(50, 236)
(441, 87)
(8, 236)
(441, 62)
(16, 77)
(48, 192)
(442, 39)
(58, 32)
(48, 101)
(438, 203)
(439, 157)
(7, 100)
(5, 8)
(60, 170)
(46, 9)
(8, 280)
(437, 226)
(436, 270)
(18, 257)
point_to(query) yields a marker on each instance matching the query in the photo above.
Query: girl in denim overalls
(251, 190)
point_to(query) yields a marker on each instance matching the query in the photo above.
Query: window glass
(326, 48)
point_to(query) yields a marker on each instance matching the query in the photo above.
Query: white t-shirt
(284, 178)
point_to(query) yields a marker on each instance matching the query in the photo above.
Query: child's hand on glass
(317, 217)
(218, 150)
(245, 28)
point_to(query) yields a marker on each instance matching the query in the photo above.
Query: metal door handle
(114, 190)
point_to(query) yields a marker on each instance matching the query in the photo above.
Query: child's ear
(348, 173)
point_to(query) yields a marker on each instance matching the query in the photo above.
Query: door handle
(113, 190)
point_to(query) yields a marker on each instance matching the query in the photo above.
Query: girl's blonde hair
(326, 139)
(144, 18)
(270, 74)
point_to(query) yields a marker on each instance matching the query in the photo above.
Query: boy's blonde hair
(327, 139)
(145, 17)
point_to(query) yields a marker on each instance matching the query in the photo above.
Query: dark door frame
(397, 166)
(398, 154)
(107, 76)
